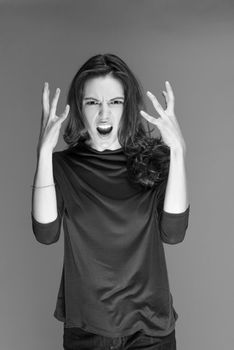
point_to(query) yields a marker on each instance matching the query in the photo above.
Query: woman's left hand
(167, 122)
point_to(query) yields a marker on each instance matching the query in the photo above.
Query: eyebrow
(115, 98)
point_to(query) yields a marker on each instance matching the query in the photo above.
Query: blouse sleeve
(48, 233)
(172, 226)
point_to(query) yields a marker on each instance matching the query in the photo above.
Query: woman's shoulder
(65, 152)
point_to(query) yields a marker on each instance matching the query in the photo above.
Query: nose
(104, 111)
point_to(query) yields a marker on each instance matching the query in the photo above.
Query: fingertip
(144, 114)
(67, 109)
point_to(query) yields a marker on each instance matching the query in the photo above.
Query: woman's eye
(117, 102)
(91, 103)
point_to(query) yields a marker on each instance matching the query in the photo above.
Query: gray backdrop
(191, 44)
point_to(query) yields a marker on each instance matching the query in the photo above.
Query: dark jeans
(78, 339)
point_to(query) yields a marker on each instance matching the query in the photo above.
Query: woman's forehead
(103, 86)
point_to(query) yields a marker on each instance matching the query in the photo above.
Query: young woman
(121, 194)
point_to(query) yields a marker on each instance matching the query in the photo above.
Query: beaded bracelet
(43, 186)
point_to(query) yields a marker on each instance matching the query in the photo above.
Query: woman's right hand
(50, 122)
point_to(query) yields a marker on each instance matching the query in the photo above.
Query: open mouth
(104, 130)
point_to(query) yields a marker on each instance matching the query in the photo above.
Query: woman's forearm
(176, 195)
(44, 202)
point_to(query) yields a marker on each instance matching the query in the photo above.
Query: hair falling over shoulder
(148, 161)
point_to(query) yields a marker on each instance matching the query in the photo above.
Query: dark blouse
(114, 278)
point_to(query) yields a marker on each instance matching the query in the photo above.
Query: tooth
(104, 127)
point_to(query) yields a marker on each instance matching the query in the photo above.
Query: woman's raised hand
(50, 122)
(167, 122)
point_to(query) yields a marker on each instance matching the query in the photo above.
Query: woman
(121, 195)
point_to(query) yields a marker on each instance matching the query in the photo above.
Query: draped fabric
(114, 278)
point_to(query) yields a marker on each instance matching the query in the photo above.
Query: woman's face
(102, 109)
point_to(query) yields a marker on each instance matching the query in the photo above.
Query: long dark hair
(147, 157)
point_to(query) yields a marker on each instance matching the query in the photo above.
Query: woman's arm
(176, 195)
(173, 206)
(44, 205)
(174, 213)
(47, 202)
